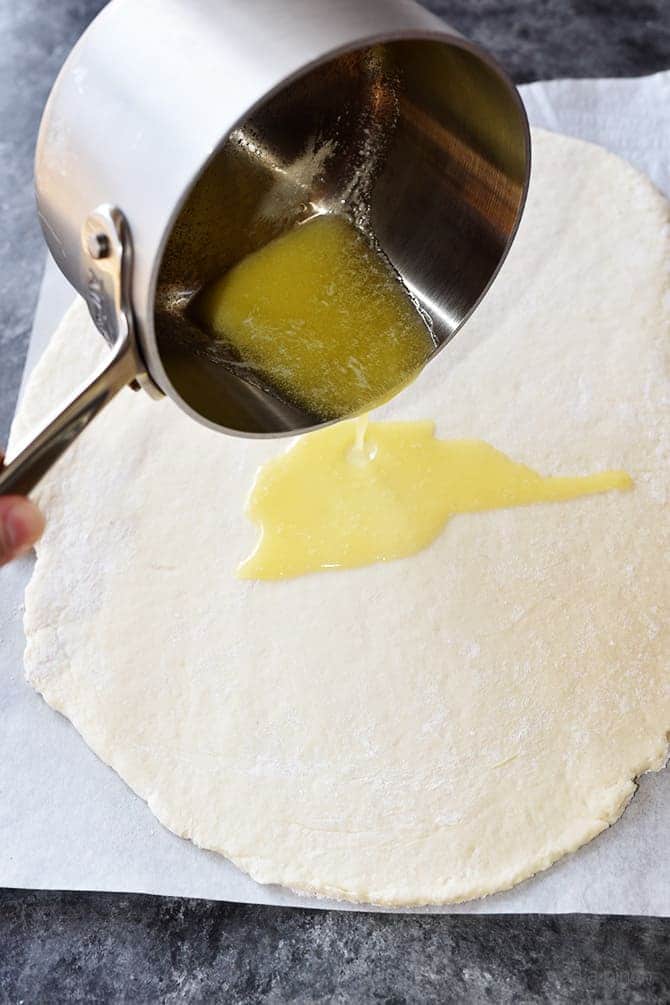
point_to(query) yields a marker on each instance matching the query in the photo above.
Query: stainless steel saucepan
(181, 135)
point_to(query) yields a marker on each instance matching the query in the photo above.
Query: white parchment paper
(69, 822)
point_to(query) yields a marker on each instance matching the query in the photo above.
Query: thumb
(21, 523)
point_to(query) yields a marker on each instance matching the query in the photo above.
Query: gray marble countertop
(58, 947)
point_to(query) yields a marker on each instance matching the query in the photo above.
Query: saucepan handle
(22, 474)
(107, 257)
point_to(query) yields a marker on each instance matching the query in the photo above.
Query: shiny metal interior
(422, 144)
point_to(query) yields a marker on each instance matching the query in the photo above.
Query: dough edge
(614, 802)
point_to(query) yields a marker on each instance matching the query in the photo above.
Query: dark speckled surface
(100, 948)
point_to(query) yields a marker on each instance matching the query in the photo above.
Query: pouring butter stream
(323, 318)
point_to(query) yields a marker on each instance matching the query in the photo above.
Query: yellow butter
(344, 497)
(321, 317)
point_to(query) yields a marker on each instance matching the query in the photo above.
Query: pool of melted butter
(348, 495)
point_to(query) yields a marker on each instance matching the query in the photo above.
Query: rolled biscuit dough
(418, 732)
